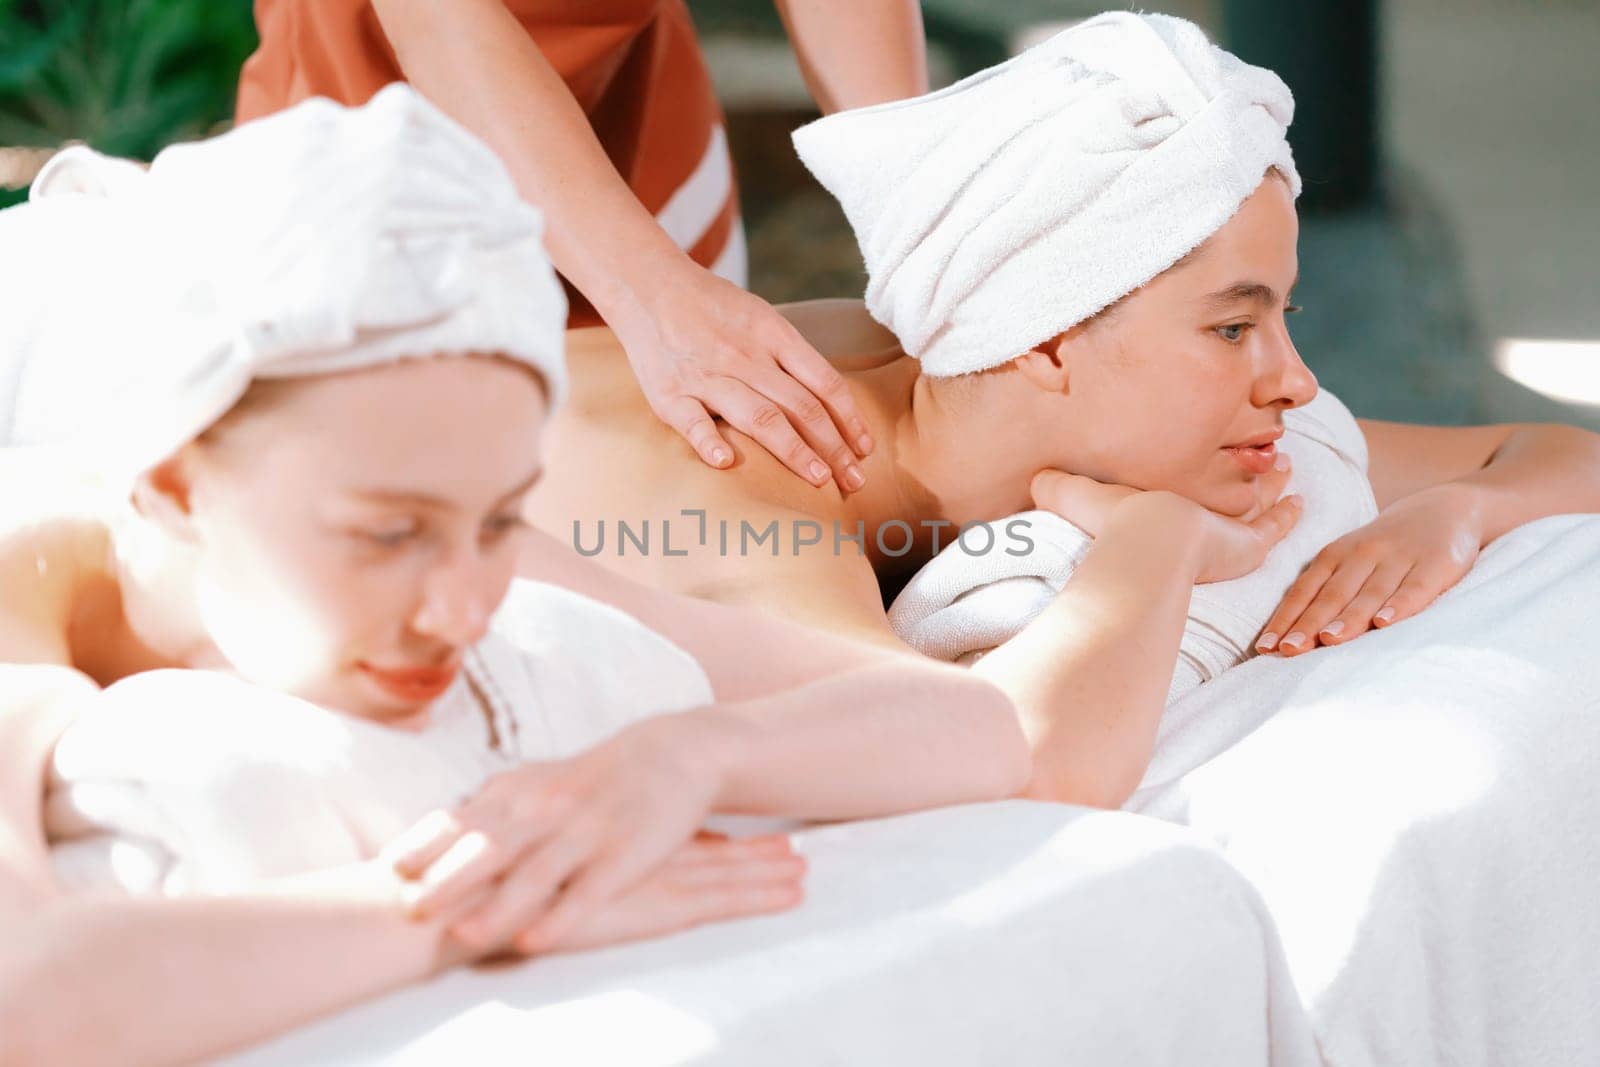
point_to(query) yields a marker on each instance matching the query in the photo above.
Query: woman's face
(354, 536)
(1196, 361)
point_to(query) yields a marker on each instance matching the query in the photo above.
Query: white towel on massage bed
(1022, 934)
(964, 603)
(194, 781)
(1420, 809)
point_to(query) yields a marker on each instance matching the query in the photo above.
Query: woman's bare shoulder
(51, 537)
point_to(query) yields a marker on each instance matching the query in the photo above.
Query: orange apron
(634, 66)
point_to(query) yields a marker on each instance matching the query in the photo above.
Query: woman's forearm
(876, 740)
(853, 54)
(473, 59)
(91, 980)
(1089, 676)
(1539, 471)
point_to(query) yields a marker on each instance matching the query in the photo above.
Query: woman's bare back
(631, 494)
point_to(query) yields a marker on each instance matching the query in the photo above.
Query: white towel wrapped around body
(197, 782)
(961, 604)
(1420, 809)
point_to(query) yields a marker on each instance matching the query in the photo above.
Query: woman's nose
(1292, 386)
(455, 607)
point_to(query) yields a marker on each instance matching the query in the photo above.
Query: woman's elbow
(1007, 763)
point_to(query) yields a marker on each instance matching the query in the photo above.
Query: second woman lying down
(1085, 260)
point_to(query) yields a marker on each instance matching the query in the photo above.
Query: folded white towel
(320, 239)
(197, 782)
(960, 605)
(996, 213)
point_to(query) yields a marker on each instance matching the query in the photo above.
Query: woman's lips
(412, 684)
(1257, 459)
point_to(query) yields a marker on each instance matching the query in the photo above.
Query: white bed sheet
(1011, 934)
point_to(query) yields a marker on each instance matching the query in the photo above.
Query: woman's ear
(163, 495)
(1048, 364)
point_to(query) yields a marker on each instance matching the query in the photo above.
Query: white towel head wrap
(998, 212)
(140, 305)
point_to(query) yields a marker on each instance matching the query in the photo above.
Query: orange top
(633, 65)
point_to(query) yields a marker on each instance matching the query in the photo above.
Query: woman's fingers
(1419, 589)
(524, 892)
(585, 894)
(711, 888)
(806, 366)
(1357, 616)
(1350, 573)
(426, 840)
(1080, 500)
(816, 426)
(688, 416)
(767, 424)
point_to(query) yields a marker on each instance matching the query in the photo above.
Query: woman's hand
(1386, 571)
(556, 840)
(1229, 547)
(706, 347)
(710, 879)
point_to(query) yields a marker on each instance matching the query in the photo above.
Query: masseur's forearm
(871, 741)
(118, 980)
(1538, 471)
(473, 59)
(853, 54)
(1090, 674)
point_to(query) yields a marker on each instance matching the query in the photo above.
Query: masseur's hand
(559, 839)
(705, 347)
(1386, 571)
(1229, 546)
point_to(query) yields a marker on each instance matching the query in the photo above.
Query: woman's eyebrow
(406, 497)
(1246, 292)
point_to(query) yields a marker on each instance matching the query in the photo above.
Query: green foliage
(127, 76)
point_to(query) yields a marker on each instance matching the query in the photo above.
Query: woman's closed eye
(500, 526)
(389, 537)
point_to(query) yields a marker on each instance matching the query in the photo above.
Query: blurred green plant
(127, 76)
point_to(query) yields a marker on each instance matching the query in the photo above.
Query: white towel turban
(140, 305)
(997, 213)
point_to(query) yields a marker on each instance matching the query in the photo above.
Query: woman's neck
(153, 619)
(937, 465)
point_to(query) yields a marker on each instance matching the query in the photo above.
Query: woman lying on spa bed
(334, 536)
(1088, 255)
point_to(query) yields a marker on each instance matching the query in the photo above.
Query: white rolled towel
(961, 604)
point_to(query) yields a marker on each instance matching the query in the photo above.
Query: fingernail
(864, 443)
(1333, 629)
(1297, 500)
(819, 472)
(854, 478)
(1384, 616)
(719, 456)
(1268, 642)
(1281, 463)
(1294, 640)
